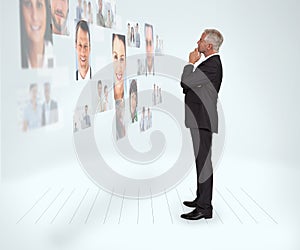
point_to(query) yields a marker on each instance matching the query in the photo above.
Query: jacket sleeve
(200, 77)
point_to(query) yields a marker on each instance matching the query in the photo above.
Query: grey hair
(214, 37)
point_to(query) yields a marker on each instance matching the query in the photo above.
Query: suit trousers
(202, 141)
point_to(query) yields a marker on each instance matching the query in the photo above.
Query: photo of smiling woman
(119, 64)
(36, 34)
(119, 69)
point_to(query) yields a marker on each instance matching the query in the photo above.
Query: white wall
(259, 92)
(260, 58)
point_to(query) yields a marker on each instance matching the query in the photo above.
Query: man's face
(149, 41)
(86, 109)
(34, 13)
(83, 49)
(59, 12)
(136, 28)
(202, 44)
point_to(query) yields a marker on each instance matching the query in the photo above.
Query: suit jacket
(201, 89)
(53, 113)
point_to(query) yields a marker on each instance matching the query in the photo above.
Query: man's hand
(194, 56)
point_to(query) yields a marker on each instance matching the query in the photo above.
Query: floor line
(218, 216)
(49, 205)
(29, 210)
(62, 206)
(242, 206)
(152, 206)
(138, 212)
(92, 207)
(260, 207)
(122, 206)
(169, 206)
(112, 193)
(229, 206)
(71, 220)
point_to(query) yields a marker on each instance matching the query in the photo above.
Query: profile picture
(79, 11)
(133, 35)
(156, 95)
(38, 107)
(82, 118)
(133, 100)
(49, 107)
(32, 114)
(106, 13)
(149, 41)
(159, 45)
(140, 67)
(36, 34)
(103, 99)
(84, 11)
(145, 119)
(83, 50)
(86, 119)
(60, 16)
(119, 64)
(100, 16)
(90, 17)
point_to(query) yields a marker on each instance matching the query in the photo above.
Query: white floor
(256, 206)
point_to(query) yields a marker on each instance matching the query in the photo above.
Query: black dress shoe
(190, 203)
(196, 215)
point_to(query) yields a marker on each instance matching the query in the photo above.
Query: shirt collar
(87, 76)
(214, 54)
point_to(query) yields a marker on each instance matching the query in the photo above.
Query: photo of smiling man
(83, 49)
(59, 16)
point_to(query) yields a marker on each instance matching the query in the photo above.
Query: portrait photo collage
(65, 43)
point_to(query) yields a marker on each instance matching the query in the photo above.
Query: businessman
(49, 107)
(201, 87)
(149, 49)
(83, 49)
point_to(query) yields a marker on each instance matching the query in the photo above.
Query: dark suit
(201, 89)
